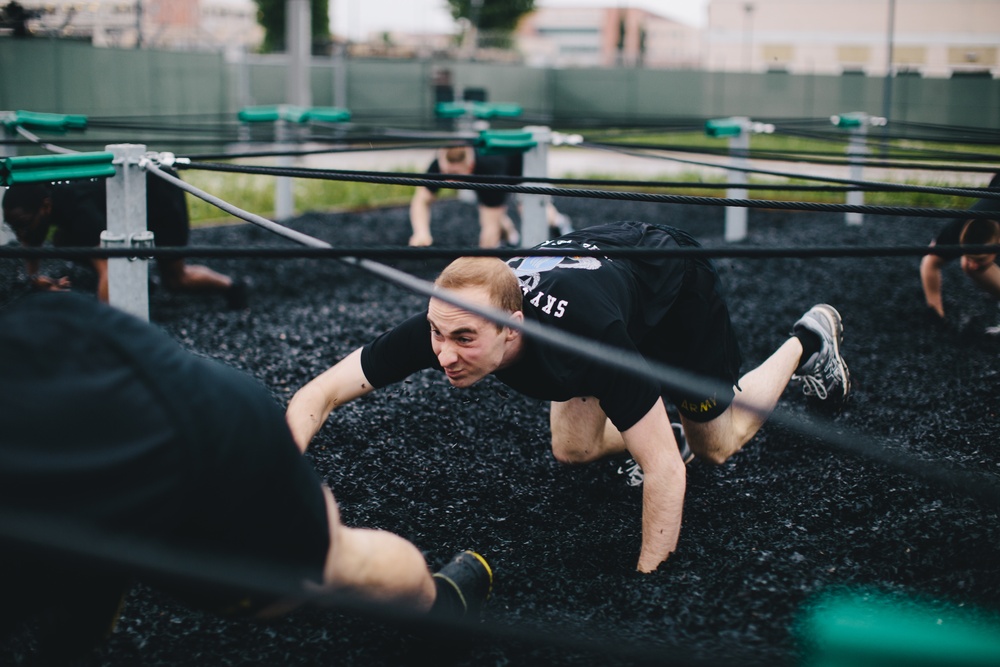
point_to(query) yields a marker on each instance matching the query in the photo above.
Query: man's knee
(714, 456)
(715, 441)
(572, 449)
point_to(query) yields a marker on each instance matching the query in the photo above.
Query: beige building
(933, 38)
(172, 24)
(606, 37)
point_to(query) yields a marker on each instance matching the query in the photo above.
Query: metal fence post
(739, 147)
(534, 225)
(128, 278)
(284, 195)
(857, 124)
(856, 151)
(6, 150)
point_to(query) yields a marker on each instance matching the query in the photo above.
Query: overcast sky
(358, 18)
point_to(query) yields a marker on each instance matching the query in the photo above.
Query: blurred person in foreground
(112, 429)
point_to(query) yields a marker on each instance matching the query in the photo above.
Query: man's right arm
(930, 280)
(420, 217)
(312, 404)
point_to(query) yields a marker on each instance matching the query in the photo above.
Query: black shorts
(109, 424)
(697, 335)
(489, 165)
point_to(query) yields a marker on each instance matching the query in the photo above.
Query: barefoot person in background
(495, 226)
(77, 211)
(982, 269)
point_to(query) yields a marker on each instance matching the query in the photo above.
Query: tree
(271, 15)
(16, 17)
(487, 15)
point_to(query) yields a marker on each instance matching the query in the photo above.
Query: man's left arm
(651, 443)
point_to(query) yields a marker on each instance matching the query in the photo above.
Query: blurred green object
(292, 114)
(723, 127)
(869, 629)
(48, 168)
(477, 109)
(506, 141)
(55, 122)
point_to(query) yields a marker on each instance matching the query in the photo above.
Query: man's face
(31, 227)
(977, 263)
(459, 168)
(468, 347)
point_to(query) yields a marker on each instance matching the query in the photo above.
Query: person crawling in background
(78, 212)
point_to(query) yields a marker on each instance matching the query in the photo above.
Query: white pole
(736, 216)
(6, 150)
(128, 278)
(298, 45)
(856, 150)
(534, 225)
(284, 196)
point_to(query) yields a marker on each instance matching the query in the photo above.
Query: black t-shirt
(951, 233)
(488, 165)
(108, 423)
(79, 212)
(616, 302)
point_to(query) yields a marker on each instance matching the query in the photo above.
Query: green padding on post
(328, 114)
(496, 110)
(449, 109)
(46, 121)
(723, 127)
(293, 114)
(44, 168)
(506, 141)
(258, 114)
(869, 629)
(848, 120)
(49, 175)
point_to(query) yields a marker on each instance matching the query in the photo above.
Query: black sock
(811, 342)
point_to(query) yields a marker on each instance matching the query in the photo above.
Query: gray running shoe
(634, 473)
(824, 374)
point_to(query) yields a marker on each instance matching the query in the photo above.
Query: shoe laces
(634, 472)
(813, 386)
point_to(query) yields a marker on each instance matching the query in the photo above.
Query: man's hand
(651, 443)
(420, 240)
(46, 284)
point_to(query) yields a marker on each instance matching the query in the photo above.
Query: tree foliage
(271, 15)
(498, 15)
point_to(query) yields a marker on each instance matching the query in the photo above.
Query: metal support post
(128, 278)
(857, 123)
(6, 150)
(467, 124)
(298, 39)
(534, 222)
(340, 76)
(284, 195)
(736, 216)
(856, 150)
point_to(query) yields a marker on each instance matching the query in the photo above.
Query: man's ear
(513, 333)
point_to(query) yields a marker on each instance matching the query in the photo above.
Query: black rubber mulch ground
(781, 522)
